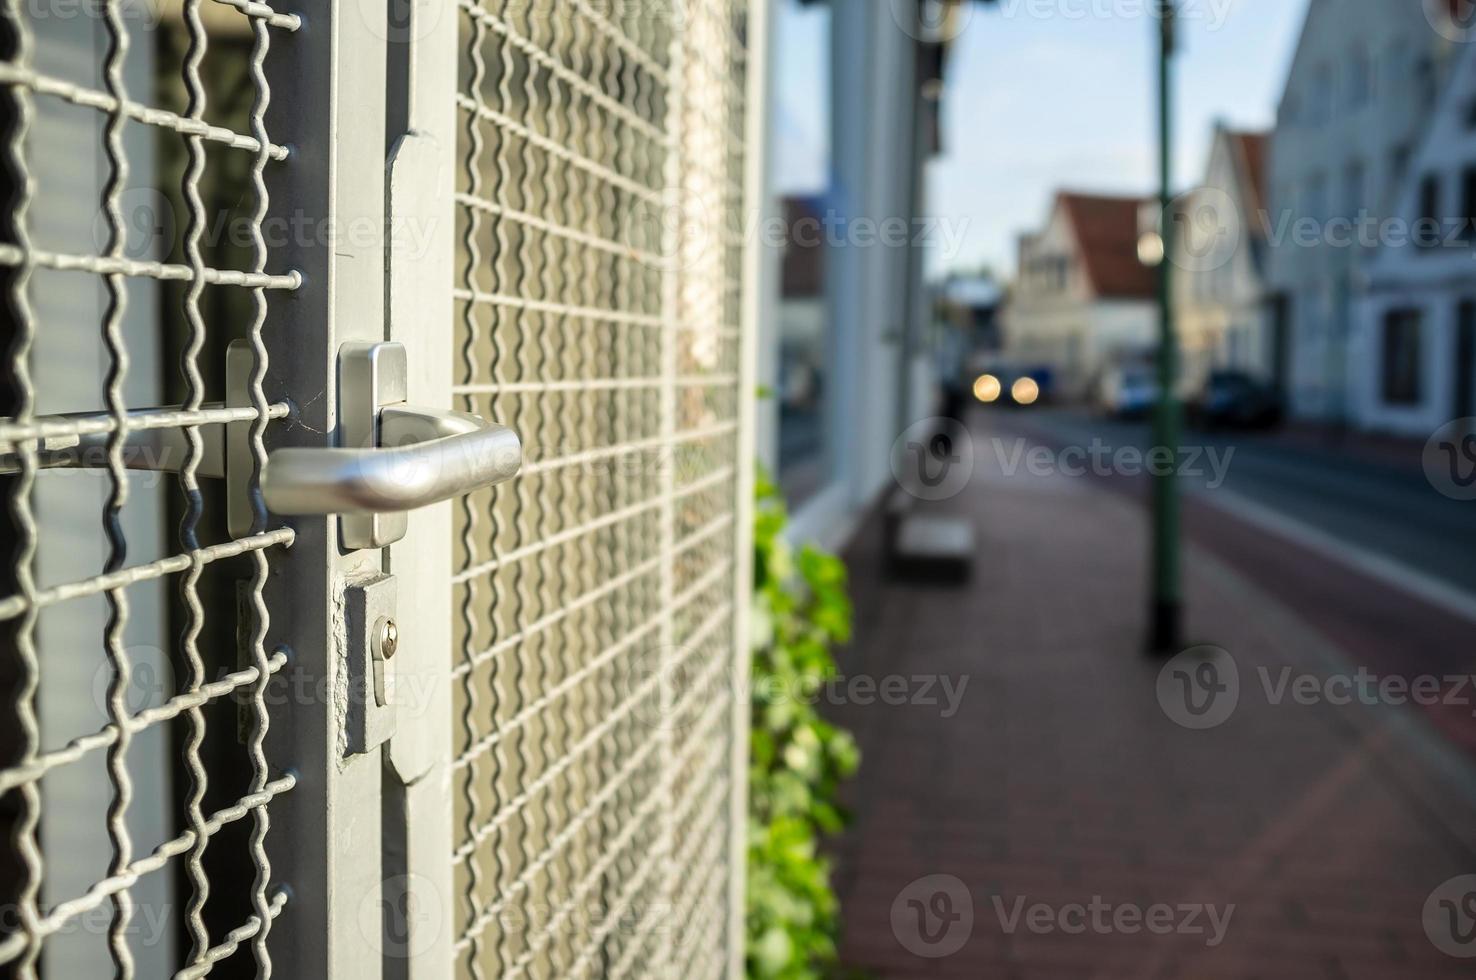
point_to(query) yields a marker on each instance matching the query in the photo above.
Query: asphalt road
(1377, 507)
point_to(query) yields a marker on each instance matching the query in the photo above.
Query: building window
(1316, 203)
(1398, 165)
(1360, 79)
(1320, 109)
(1425, 81)
(1290, 111)
(1354, 190)
(1468, 204)
(1396, 68)
(1428, 232)
(1401, 365)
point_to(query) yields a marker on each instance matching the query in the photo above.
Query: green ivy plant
(801, 612)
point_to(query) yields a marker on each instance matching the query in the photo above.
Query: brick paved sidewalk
(1061, 782)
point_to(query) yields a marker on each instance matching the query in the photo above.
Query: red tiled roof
(1252, 149)
(1106, 231)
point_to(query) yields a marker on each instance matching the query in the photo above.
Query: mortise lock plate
(373, 644)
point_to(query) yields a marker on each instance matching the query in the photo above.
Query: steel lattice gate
(277, 281)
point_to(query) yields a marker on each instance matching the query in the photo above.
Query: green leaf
(801, 612)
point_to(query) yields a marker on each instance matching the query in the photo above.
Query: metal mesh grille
(178, 288)
(597, 288)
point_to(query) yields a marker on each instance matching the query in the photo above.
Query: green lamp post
(1166, 603)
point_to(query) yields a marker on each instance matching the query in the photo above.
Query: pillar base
(1165, 619)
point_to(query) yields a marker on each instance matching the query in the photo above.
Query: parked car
(1127, 391)
(1236, 400)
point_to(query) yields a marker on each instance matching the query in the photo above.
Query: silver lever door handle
(425, 456)
(391, 457)
(397, 457)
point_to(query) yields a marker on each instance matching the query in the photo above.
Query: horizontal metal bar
(654, 861)
(100, 892)
(701, 633)
(607, 29)
(613, 849)
(261, 11)
(560, 152)
(13, 606)
(626, 449)
(559, 309)
(548, 776)
(108, 735)
(553, 541)
(233, 941)
(617, 918)
(21, 76)
(542, 703)
(701, 584)
(101, 423)
(570, 906)
(559, 70)
(558, 615)
(722, 332)
(697, 832)
(589, 527)
(704, 533)
(593, 384)
(157, 439)
(700, 892)
(698, 693)
(11, 255)
(606, 245)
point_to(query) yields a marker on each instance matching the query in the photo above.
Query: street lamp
(1166, 603)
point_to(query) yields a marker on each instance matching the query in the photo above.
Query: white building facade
(1362, 83)
(1414, 349)
(1219, 264)
(1082, 301)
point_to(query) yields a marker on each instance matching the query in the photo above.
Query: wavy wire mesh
(599, 205)
(173, 112)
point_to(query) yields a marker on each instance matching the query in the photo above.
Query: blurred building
(1219, 262)
(1362, 85)
(970, 306)
(965, 334)
(1413, 354)
(1082, 300)
(848, 357)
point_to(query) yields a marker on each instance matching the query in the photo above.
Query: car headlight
(987, 388)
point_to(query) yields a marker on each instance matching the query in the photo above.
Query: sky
(1045, 94)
